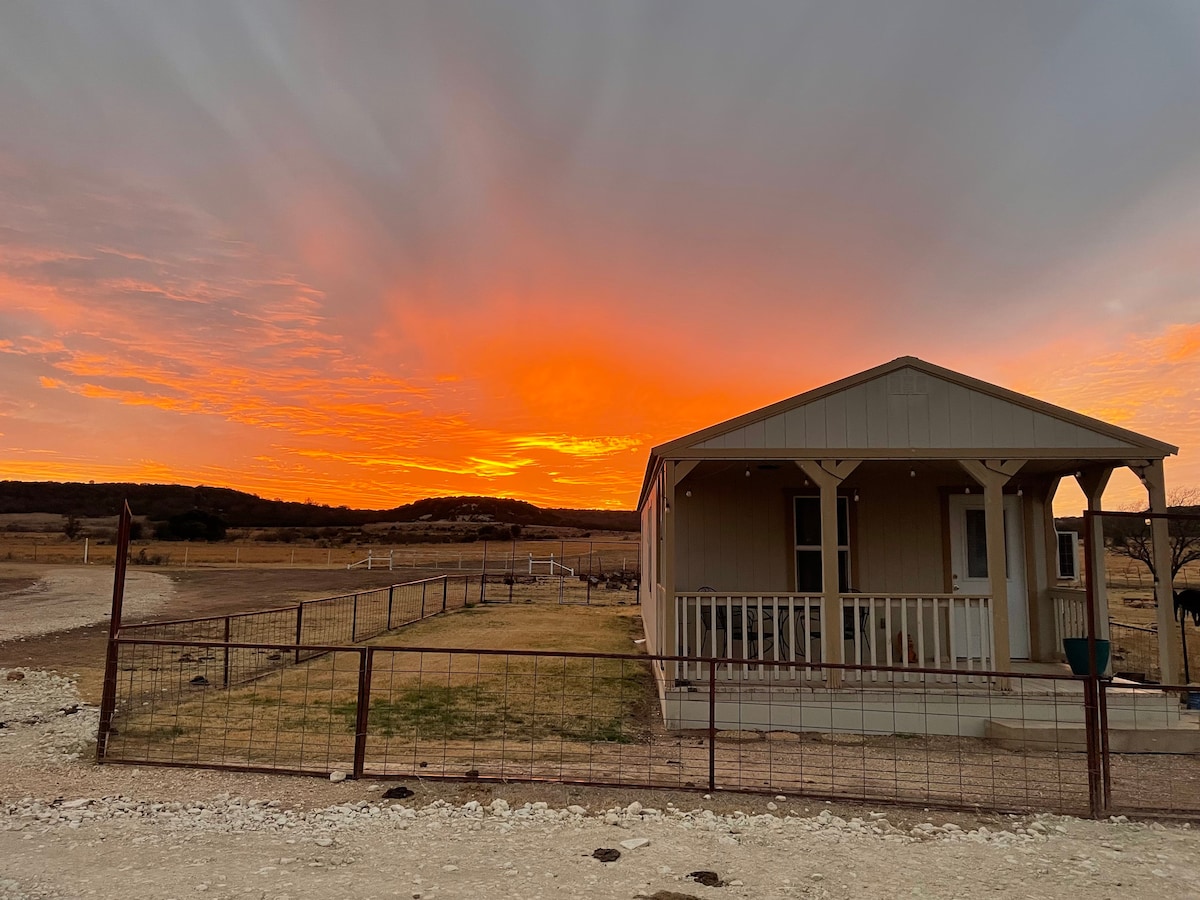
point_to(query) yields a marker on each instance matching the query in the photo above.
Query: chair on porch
(848, 630)
(738, 624)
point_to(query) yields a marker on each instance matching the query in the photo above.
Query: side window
(807, 514)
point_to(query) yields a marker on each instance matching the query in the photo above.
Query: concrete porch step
(1023, 734)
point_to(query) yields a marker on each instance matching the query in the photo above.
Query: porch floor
(1060, 683)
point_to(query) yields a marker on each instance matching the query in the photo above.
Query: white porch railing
(928, 631)
(1070, 614)
(917, 631)
(766, 627)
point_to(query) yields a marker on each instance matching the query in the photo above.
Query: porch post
(675, 472)
(1093, 482)
(1169, 654)
(1043, 564)
(668, 637)
(992, 475)
(828, 475)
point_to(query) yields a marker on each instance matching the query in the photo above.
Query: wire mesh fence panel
(579, 590)
(523, 716)
(1152, 749)
(299, 719)
(210, 628)
(1011, 744)
(1135, 652)
(369, 614)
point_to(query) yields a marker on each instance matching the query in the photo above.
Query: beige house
(908, 505)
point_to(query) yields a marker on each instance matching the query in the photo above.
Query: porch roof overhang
(917, 408)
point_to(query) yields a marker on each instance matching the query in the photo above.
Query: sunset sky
(366, 253)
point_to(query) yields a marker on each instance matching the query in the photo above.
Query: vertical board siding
(856, 416)
(898, 534)
(733, 531)
(756, 434)
(939, 414)
(814, 423)
(1022, 427)
(793, 421)
(877, 414)
(835, 421)
(980, 406)
(960, 415)
(918, 421)
(775, 432)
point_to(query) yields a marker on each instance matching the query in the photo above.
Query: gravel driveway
(71, 829)
(68, 597)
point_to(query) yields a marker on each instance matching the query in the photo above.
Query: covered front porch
(934, 566)
(901, 518)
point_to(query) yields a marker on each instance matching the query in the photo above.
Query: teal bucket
(1078, 656)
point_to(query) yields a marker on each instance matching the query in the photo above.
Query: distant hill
(242, 510)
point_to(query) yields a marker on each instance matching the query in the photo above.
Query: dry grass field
(39, 538)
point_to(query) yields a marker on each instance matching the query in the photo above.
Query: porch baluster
(760, 628)
(937, 635)
(921, 634)
(873, 629)
(887, 624)
(952, 631)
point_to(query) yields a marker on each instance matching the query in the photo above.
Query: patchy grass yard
(425, 702)
(527, 626)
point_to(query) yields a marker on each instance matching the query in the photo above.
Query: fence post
(299, 627)
(365, 659)
(1095, 764)
(466, 587)
(225, 674)
(712, 725)
(354, 621)
(391, 597)
(108, 699)
(482, 584)
(445, 590)
(1105, 760)
(424, 584)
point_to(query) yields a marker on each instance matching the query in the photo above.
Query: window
(1068, 555)
(808, 545)
(976, 543)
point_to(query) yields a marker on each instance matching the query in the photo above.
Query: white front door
(968, 563)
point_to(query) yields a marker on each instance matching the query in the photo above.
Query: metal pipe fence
(1135, 652)
(306, 626)
(1012, 742)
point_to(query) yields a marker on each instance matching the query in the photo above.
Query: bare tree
(1132, 537)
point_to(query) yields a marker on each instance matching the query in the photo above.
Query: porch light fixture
(967, 491)
(856, 495)
(912, 473)
(687, 493)
(747, 471)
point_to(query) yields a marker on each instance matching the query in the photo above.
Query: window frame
(845, 556)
